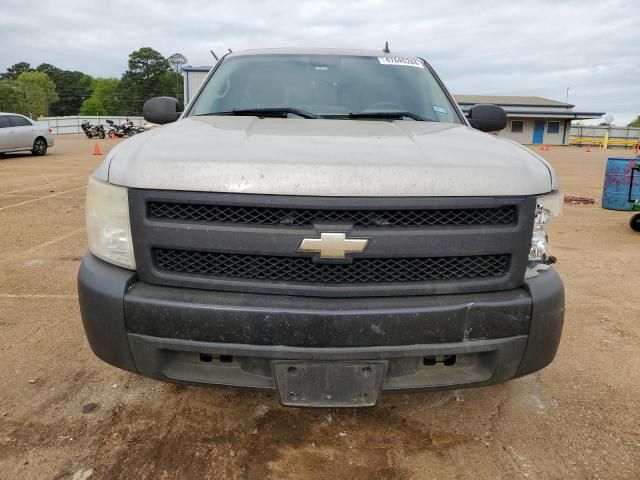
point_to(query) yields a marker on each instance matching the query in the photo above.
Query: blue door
(538, 131)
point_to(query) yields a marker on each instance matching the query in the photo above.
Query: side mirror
(487, 118)
(161, 110)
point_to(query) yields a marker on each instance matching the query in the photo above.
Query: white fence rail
(65, 125)
(628, 133)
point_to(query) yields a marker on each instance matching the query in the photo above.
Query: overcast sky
(478, 47)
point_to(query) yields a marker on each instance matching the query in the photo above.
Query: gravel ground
(65, 414)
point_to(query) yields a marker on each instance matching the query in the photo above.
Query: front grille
(236, 242)
(303, 269)
(196, 212)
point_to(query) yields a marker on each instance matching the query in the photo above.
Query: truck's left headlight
(108, 225)
(547, 207)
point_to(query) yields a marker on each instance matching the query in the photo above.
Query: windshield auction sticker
(401, 61)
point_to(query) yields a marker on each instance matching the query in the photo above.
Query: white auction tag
(401, 61)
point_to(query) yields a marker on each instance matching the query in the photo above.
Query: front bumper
(234, 339)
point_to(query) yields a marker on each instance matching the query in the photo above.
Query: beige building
(193, 78)
(532, 120)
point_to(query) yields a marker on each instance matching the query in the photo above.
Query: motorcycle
(92, 130)
(126, 129)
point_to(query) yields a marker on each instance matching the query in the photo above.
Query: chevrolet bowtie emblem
(333, 245)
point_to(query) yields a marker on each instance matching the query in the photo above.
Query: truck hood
(326, 158)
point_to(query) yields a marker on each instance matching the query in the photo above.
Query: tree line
(47, 90)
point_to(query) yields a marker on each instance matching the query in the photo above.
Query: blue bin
(617, 179)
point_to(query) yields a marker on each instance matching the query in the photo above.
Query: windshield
(325, 86)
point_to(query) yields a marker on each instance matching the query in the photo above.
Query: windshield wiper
(392, 114)
(278, 112)
(282, 112)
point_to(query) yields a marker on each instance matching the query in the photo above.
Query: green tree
(171, 85)
(145, 78)
(36, 91)
(146, 64)
(102, 101)
(14, 71)
(9, 96)
(635, 123)
(177, 60)
(608, 121)
(73, 88)
(87, 83)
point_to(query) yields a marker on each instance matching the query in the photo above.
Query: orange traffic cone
(96, 149)
(588, 149)
(112, 135)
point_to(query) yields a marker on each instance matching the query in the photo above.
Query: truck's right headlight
(547, 207)
(108, 225)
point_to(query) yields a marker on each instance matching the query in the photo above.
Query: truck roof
(318, 51)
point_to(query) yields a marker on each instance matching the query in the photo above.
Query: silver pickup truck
(325, 224)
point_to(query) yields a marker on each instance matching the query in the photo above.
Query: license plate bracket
(329, 384)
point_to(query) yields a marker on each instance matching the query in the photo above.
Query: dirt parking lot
(65, 414)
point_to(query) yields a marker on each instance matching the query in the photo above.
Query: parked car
(19, 133)
(327, 225)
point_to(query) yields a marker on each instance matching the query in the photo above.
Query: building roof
(520, 106)
(510, 101)
(189, 68)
